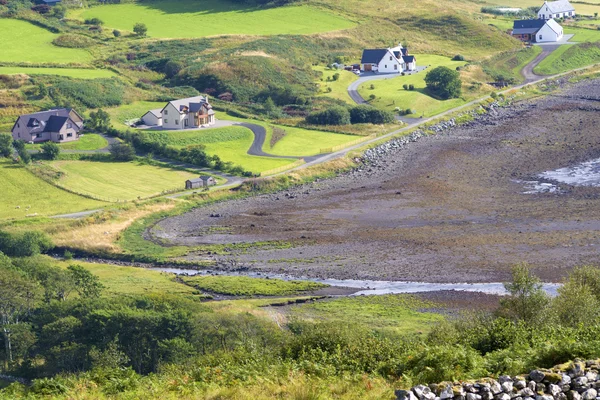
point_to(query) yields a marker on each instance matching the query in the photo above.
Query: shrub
(50, 150)
(116, 33)
(527, 300)
(411, 87)
(140, 29)
(99, 120)
(458, 57)
(122, 152)
(6, 147)
(367, 114)
(59, 11)
(372, 86)
(331, 116)
(494, 95)
(172, 68)
(408, 111)
(41, 8)
(372, 97)
(336, 76)
(405, 86)
(24, 244)
(93, 21)
(444, 82)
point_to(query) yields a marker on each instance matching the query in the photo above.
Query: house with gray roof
(200, 182)
(391, 60)
(556, 9)
(192, 112)
(537, 30)
(57, 125)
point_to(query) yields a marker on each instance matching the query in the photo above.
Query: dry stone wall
(577, 380)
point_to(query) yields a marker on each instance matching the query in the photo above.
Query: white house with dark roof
(193, 112)
(556, 9)
(58, 125)
(391, 60)
(537, 30)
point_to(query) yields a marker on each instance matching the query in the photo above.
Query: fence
(283, 168)
(348, 144)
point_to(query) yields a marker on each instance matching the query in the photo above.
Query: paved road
(527, 70)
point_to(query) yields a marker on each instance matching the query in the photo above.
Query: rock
(457, 390)
(504, 378)
(532, 385)
(553, 377)
(580, 382)
(421, 390)
(526, 392)
(565, 380)
(541, 388)
(487, 396)
(573, 395)
(507, 387)
(496, 388)
(447, 393)
(554, 389)
(560, 396)
(473, 396)
(544, 397)
(520, 384)
(589, 394)
(537, 376)
(591, 376)
(577, 369)
(502, 396)
(405, 395)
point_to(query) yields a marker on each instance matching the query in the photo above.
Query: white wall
(151, 120)
(390, 64)
(171, 118)
(546, 34)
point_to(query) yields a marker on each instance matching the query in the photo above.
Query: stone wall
(576, 380)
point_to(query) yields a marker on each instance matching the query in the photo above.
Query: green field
(570, 57)
(22, 189)
(135, 110)
(587, 7)
(510, 64)
(186, 138)
(398, 313)
(22, 41)
(119, 181)
(193, 19)
(339, 88)
(87, 142)
(246, 286)
(304, 142)
(390, 93)
(81, 73)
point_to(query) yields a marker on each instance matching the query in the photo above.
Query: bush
(331, 116)
(458, 57)
(6, 147)
(411, 87)
(405, 86)
(172, 68)
(140, 29)
(99, 120)
(336, 76)
(366, 114)
(50, 150)
(41, 9)
(93, 21)
(24, 244)
(122, 152)
(116, 33)
(444, 82)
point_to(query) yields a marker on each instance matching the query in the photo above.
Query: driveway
(547, 49)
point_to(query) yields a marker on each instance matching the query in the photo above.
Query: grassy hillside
(507, 66)
(86, 142)
(570, 57)
(81, 73)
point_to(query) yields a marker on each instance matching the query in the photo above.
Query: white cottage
(192, 112)
(537, 30)
(391, 60)
(556, 9)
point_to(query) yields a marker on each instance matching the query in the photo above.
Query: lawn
(89, 141)
(567, 58)
(119, 181)
(185, 138)
(193, 19)
(246, 286)
(397, 313)
(339, 88)
(135, 110)
(31, 195)
(304, 142)
(583, 34)
(22, 41)
(390, 93)
(81, 73)
(510, 64)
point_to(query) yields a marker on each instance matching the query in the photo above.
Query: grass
(339, 88)
(87, 142)
(185, 138)
(193, 19)
(581, 9)
(390, 93)
(511, 64)
(398, 313)
(80, 73)
(583, 35)
(119, 181)
(22, 41)
(305, 142)
(120, 115)
(246, 286)
(22, 189)
(571, 57)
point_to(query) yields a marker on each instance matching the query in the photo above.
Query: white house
(556, 9)
(192, 112)
(537, 30)
(391, 60)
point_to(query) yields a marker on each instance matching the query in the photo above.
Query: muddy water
(584, 174)
(370, 287)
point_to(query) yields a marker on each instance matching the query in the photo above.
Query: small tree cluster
(444, 82)
(364, 114)
(331, 116)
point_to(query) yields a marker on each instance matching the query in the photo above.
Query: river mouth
(373, 287)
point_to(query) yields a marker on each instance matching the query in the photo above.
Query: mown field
(192, 19)
(132, 111)
(80, 73)
(119, 181)
(25, 194)
(24, 42)
(337, 89)
(390, 93)
(303, 142)
(588, 7)
(87, 142)
(569, 57)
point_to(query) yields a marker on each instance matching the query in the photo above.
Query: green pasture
(397, 313)
(127, 112)
(569, 57)
(390, 93)
(339, 88)
(193, 19)
(89, 141)
(119, 181)
(246, 286)
(304, 142)
(510, 64)
(186, 138)
(22, 41)
(22, 189)
(80, 73)
(583, 34)
(587, 7)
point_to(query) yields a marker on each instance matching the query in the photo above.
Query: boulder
(520, 384)
(589, 394)
(495, 388)
(502, 396)
(580, 382)
(526, 392)
(591, 376)
(504, 378)
(420, 391)
(537, 376)
(573, 395)
(544, 397)
(446, 393)
(507, 387)
(554, 389)
(532, 385)
(473, 396)
(565, 380)
(405, 395)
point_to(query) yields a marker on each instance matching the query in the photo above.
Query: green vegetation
(336, 89)
(444, 83)
(73, 41)
(25, 194)
(118, 181)
(246, 286)
(87, 142)
(304, 142)
(192, 19)
(24, 42)
(506, 67)
(133, 111)
(201, 136)
(396, 313)
(79, 73)
(567, 58)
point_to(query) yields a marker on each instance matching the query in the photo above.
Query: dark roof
(408, 59)
(50, 1)
(527, 26)
(55, 123)
(41, 117)
(373, 56)
(196, 180)
(404, 51)
(397, 54)
(195, 107)
(205, 177)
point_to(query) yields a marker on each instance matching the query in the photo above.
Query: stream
(369, 287)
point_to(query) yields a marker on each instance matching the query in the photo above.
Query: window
(38, 135)
(185, 122)
(385, 66)
(395, 67)
(18, 126)
(176, 122)
(69, 135)
(69, 125)
(166, 112)
(540, 37)
(61, 137)
(166, 121)
(390, 58)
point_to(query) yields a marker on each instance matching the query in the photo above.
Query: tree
(331, 116)
(19, 146)
(122, 151)
(59, 11)
(6, 148)
(140, 29)
(527, 300)
(116, 33)
(172, 68)
(99, 120)
(86, 284)
(269, 105)
(444, 82)
(50, 150)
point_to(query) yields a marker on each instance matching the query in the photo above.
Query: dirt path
(527, 70)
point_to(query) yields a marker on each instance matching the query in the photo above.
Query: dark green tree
(6, 147)
(527, 300)
(444, 82)
(50, 150)
(99, 120)
(140, 29)
(122, 152)
(86, 284)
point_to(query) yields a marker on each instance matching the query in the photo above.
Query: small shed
(202, 181)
